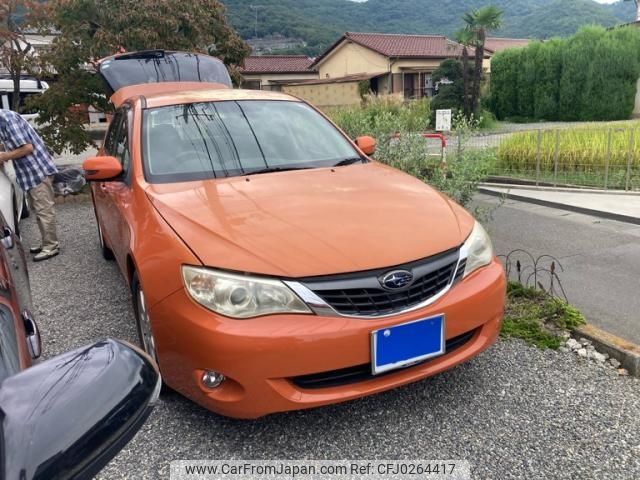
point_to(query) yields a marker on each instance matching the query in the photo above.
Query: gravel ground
(513, 412)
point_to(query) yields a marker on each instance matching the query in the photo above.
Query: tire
(143, 325)
(107, 253)
(16, 220)
(25, 208)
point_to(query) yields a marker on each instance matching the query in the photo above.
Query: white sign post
(443, 120)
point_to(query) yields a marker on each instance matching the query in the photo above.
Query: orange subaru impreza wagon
(273, 265)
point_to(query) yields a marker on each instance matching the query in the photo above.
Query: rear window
(230, 138)
(158, 66)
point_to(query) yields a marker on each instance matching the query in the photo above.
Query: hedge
(589, 76)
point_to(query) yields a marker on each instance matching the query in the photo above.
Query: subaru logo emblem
(396, 280)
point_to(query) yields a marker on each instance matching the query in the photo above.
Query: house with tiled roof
(271, 72)
(398, 64)
(384, 63)
(494, 44)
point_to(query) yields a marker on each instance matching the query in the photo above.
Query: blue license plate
(402, 345)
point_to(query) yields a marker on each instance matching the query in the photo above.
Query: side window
(110, 140)
(122, 152)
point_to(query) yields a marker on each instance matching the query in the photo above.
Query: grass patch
(538, 318)
(584, 155)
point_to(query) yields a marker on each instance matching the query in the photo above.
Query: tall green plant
(590, 76)
(479, 23)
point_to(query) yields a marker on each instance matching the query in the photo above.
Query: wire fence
(596, 157)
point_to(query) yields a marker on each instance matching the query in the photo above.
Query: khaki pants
(42, 202)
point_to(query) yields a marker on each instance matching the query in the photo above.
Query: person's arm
(19, 152)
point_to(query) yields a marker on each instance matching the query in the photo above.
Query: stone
(598, 357)
(615, 363)
(582, 352)
(585, 342)
(564, 349)
(573, 344)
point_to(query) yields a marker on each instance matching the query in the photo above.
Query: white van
(28, 86)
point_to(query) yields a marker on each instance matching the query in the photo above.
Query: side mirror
(69, 416)
(366, 144)
(101, 168)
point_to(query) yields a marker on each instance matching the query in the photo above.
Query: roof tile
(277, 64)
(397, 45)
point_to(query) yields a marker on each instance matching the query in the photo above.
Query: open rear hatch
(160, 66)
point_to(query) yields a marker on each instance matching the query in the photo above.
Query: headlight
(478, 248)
(240, 296)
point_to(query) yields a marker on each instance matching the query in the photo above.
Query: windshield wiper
(276, 169)
(349, 161)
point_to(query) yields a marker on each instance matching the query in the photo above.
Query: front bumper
(261, 356)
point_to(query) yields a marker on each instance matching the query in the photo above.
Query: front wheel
(143, 326)
(143, 322)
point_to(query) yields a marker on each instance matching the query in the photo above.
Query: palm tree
(465, 38)
(637, 8)
(479, 23)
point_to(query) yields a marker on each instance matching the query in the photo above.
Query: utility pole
(256, 8)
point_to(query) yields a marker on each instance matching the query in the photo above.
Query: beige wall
(327, 94)
(349, 59)
(636, 110)
(419, 64)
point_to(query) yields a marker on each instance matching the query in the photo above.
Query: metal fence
(604, 158)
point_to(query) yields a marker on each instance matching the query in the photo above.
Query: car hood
(312, 222)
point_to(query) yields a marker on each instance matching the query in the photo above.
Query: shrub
(382, 116)
(589, 76)
(460, 177)
(385, 117)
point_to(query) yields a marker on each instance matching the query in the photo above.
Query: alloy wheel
(146, 334)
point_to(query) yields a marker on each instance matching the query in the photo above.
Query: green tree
(479, 23)
(92, 29)
(590, 76)
(548, 71)
(465, 38)
(16, 51)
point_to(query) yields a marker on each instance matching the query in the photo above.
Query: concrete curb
(627, 353)
(562, 206)
(548, 188)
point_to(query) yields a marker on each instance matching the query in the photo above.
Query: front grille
(360, 373)
(362, 294)
(460, 271)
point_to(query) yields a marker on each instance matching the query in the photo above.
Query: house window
(251, 84)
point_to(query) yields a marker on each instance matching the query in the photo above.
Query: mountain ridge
(320, 22)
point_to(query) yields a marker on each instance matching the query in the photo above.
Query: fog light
(211, 379)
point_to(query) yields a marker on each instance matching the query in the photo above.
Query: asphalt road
(601, 258)
(513, 412)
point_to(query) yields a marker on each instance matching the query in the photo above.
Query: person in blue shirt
(34, 172)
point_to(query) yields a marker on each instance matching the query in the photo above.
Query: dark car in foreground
(66, 417)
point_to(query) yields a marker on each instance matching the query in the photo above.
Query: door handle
(34, 344)
(7, 238)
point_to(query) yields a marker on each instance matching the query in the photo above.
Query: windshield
(230, 138)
